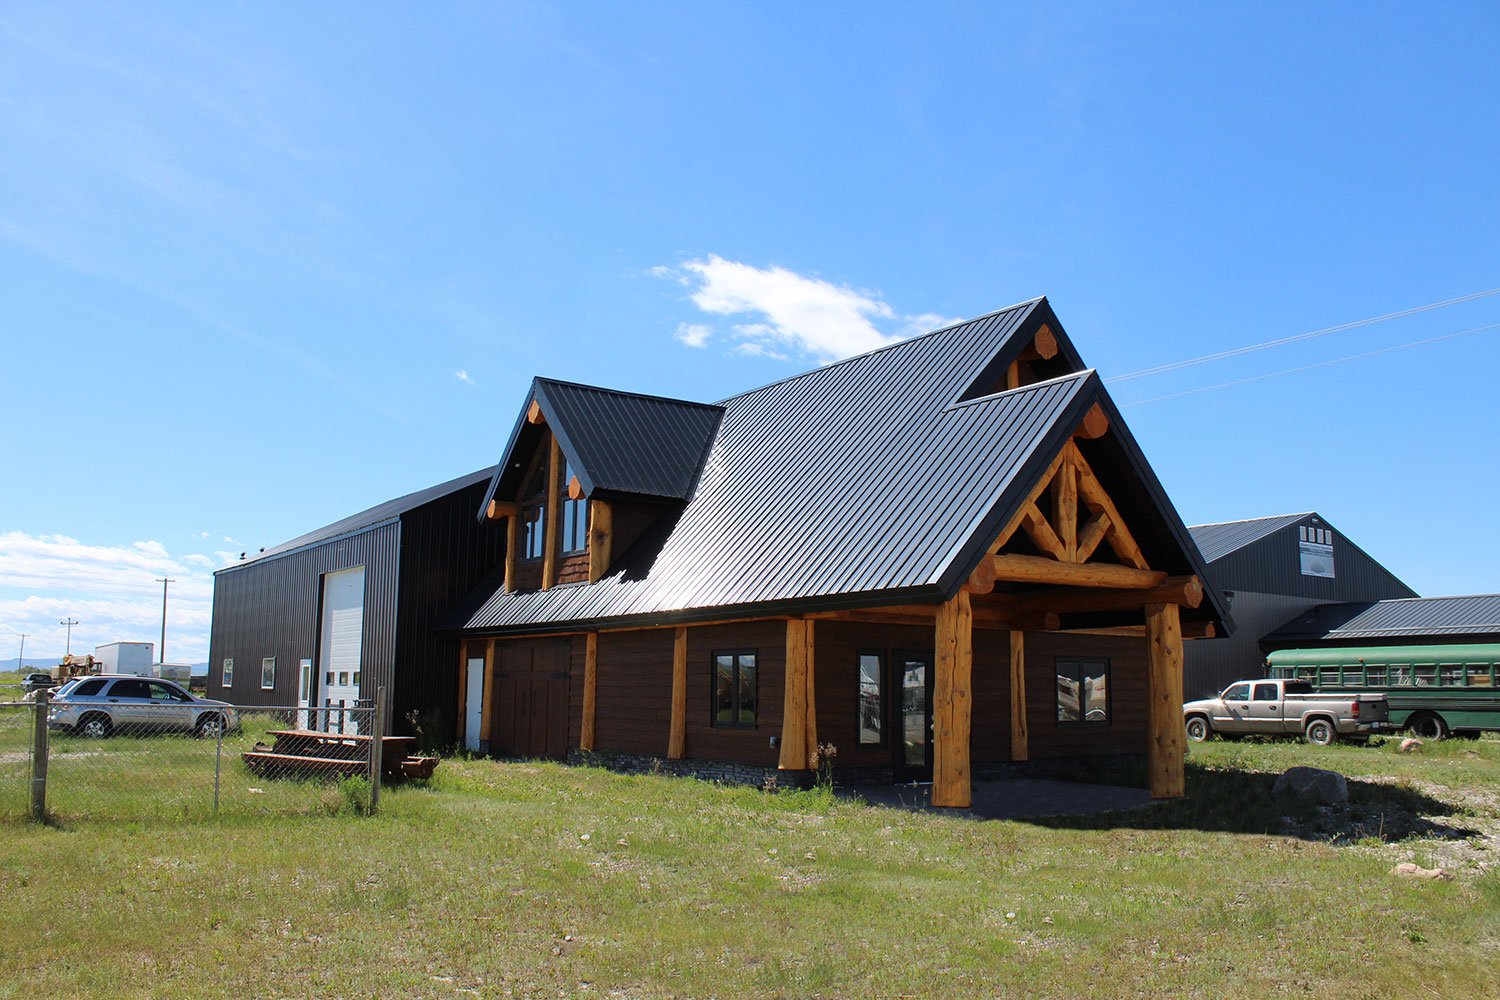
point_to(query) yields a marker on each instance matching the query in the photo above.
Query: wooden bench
(311, 751)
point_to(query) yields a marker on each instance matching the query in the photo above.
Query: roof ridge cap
(626, 392)
(1248, 520)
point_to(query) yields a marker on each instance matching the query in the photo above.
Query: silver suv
(101, 706)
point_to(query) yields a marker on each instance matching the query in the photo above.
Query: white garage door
(343, 624)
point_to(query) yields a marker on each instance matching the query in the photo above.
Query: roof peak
(900, 343)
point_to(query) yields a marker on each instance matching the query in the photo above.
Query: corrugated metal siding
(445, 553)
(627, 443)
(1270, 565)
(270, 608)
(1401, 620)
(1211, 665)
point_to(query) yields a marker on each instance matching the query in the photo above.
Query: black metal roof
(859, 483)
(1218, 540)
(1409, 619)
(379, 514)
(618, 443)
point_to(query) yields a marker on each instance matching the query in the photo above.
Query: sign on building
(1315, 551)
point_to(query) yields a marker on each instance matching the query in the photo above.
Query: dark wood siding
(633, 712)
(633, 692)
(445, 553)
(270, 608)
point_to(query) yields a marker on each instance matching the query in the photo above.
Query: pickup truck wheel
(1198, 729)
(1428, 726)
(1320, 732)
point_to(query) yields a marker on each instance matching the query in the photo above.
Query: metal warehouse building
(329, 617)
(1270, 570)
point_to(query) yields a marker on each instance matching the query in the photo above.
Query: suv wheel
(211, 725)
(95, 726)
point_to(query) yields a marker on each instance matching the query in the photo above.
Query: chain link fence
(118, 754)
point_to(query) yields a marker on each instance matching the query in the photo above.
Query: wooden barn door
(531, 698)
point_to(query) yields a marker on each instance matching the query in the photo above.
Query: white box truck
(125, 658)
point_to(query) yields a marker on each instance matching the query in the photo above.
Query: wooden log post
(809, 702)
(952, 703)
(601, 539)
(794, 710)
(512, 539)
(1165, 746)
(1020, 740)
(487, 706)
(677, 741)
(554, 516)
(590, 688)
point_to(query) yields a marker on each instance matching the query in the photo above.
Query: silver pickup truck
(1274, 707)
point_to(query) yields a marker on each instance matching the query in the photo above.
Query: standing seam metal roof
(864, 477)
(1476, 614)
(1218, 540)
(368, 518)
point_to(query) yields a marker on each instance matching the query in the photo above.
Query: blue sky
(247, 250)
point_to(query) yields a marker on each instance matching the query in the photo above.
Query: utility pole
(70, 621)
(21, 659)
(163, 657)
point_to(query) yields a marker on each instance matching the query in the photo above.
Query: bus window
(1330, 676)
(1451, 675)
(1479, 675)
(1400, 676)
(1425, 675)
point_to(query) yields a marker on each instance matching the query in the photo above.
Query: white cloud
(463, 376)
(789, 311)
(112, 591)
(693, 334)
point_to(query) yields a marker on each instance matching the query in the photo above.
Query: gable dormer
(587, 472)
(1038, 351)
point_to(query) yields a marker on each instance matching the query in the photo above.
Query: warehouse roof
(1216, 541)
(880, 478)
(1409, 618)
(379, 514)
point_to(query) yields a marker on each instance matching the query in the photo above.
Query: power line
(1320, 364)
(1298, 337)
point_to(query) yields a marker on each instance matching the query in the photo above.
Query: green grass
(540, 880)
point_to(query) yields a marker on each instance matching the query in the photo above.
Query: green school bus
(1432, 690)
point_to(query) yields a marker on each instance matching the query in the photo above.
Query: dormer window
(533, 502)
(575, 519)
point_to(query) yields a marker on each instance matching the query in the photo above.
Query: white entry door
(474, 699)
(343, 626)
(304, 692)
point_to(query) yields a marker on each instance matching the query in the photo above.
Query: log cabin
(943, 559)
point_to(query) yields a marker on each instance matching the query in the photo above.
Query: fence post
(39, 757)
(218, 761)
(377, 748)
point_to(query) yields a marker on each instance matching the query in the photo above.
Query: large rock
(1324, 787)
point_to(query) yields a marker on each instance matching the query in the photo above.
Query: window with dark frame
(1082, 691)
(534, 510)
(871, 721)
(575, 518)
(267, 673)
(734, 689)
